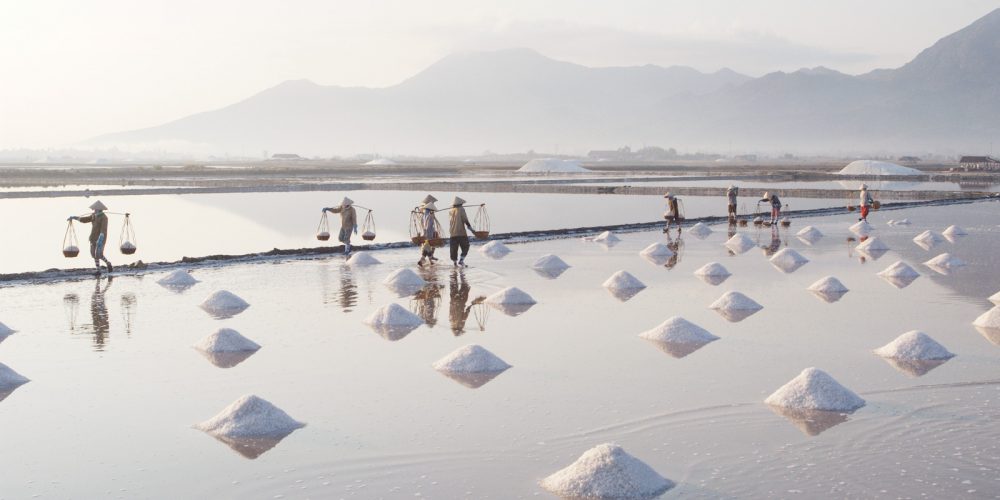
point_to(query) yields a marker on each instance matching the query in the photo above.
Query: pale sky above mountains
(74, 70)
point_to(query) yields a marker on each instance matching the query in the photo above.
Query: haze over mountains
(946, 100)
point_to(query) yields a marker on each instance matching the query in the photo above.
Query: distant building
(286, 156)
(979, 163)
(909, 159)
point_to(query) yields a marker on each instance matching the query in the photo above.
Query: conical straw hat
(430, 206)
(98, 206)
(457, 201)
(346, 202)
(429, 199)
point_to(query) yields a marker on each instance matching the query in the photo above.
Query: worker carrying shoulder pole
(866, 202)
(775, 206)
(429, 228)
(98, 233)
(731, 194)
(673, 213)
(348, 222)
(459, 236)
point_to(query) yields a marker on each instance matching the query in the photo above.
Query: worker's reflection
(99, 322)
(347, 297)
(425, 303)
(775, 244)
(459, 306)
(676, 245)
(129, 305)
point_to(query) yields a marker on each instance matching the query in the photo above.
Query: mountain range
(947, 99)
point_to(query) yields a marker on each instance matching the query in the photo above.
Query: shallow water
(846, 184)
(169, 227)
(116, 386)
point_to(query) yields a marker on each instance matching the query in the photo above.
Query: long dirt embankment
(138, 268)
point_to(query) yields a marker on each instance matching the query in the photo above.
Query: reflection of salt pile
(814, 389)
(712, 273)
(944, 263)
(988, 324)
(250, 426)
(657, 250)
(9, 381)
(901, 222)
(393, 321)
(788, 260)
(226, 348)
(927, 239)
(861, 228)
(900, 274)
(512, 301)
(178, 280)
(678, 337)
(811, 422)
(873, 247)
(735, 307)
(739, 243)
(550, 266)
(495, 250)
(809, 234)
(623, 285)
(5, 331)
(607, 471)
(224, 304)
(829, 289)
(607, 237)
(404, 281)
(914, 353)
(700, 230)
(471, 365)
(362, 259)
(954, 231)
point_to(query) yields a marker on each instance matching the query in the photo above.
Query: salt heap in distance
(512, 301)
(404, 282)
(250, 426)
(914, 353)
(9, 381)
(553, 166)
(829, 289)
(178, 280)
(876, 167)
(953, 233)
(713, 273)
(5, 331)
(226, 348)
(944, 263)
(678, 337)
(809, 235)
(393, 321)
(788, 260)
(657, 254)
(899, 274)
(224, 304)
(623, 285)
(927, 239)
(550, 266)
(988, 324)
(861, 228)
(361, 259)
(873, 247)
(607, 238)
(471, 366)
(739, 243)
(735, 307)
(495, 250)
(700, 230)
(604, 472)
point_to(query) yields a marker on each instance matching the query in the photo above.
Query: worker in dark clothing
(98, 233)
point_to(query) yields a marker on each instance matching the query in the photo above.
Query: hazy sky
(75, 69)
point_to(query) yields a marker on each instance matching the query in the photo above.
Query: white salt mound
(735, 301)
(861, 228)
(788, 260)
(809, 233)
(914, 345)
(657, 250)
(10, 379)
(700, 229)
(177, 278)
(954, 230)
(405, 278)
(945, 261)
(224, 301)
(740, 243)
(828, 285)
(712, 269)
(679, 330)
(622, 280)
(250, 417)
(901, 222)
(226, 340)
(393, 315)
(875, 167)
(606, 237)
(989, 319)
(553, 165)
(381, 162)
(873, 244)
(899, 270)
(550, 262)
(495, 249)
(471, 359)
(510, 296)
(363, 259)
(814, 389)
(995, 298)
(928, 238)
(6, 330)
(607, 471)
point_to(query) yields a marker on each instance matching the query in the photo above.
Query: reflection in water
(459, 308)
(811, 422)
(991, 334)
(775, 243)
(900, 281)
(915, 367)
(71, 305)
(736, 315)
(713, 279)
(425, 303)
(829, 297)
(678, 349)
(676, 246)
(99, 322)
(227, 359)
(625, 294)
(471, 380)
(348, 294)
(129, 305)
(251, 447)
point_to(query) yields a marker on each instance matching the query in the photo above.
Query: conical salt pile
(607, 471)
(927, 239)
(712, 273)
(224, 304)
(393, 321)
(829, 289)
(250, 426)
(623, 285)
(10, 379)
(809, 234)
(862, 228)
(678, 337)
(814, 389)
(404, 281)
(740, 243)
(995, 298)
(361, 259)
(495, 250)
(989, 319)
(511, 300)
(657, 250)
(873, 244)
(550, 266)
(900, 274)
(226, 340)
(700, 230)
(788, 260)
(901, 222)
(5, 331)
(944, 263)
(178, 280)
(914, 345)
(606, 237)
(734, 306)
(954, 231)
(472, 366)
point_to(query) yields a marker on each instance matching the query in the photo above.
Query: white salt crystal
(927, 239)
(250, 417)
(393, 321)
(788, 260)
(679, 330)
(512, 301)
(712, 269)
(700, 230)
(914, 345)
(945, 261)
(623, 280)
(829, 289)
(362, 259)
(471, 359)
(224, 304)
(901, 222)
(809, 233)
(995, 298)
(550, 262)
(177, 279)
(657, 250)
(873, 244)
(226, 340)
(495, 250)
(954, 230)
(607, 471)
(899, 269)
(814, 389)
(740, 243)
(989, 319)
(10, 379)
(606, 237)
(405, 278)
(862, 228)
(734, 306)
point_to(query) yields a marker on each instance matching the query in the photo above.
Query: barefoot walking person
(459, 221)
(98, 233)
(866, 202)
(429, 227)
(731, 194)
(348, 222)
(673, 214)
(775, 206)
